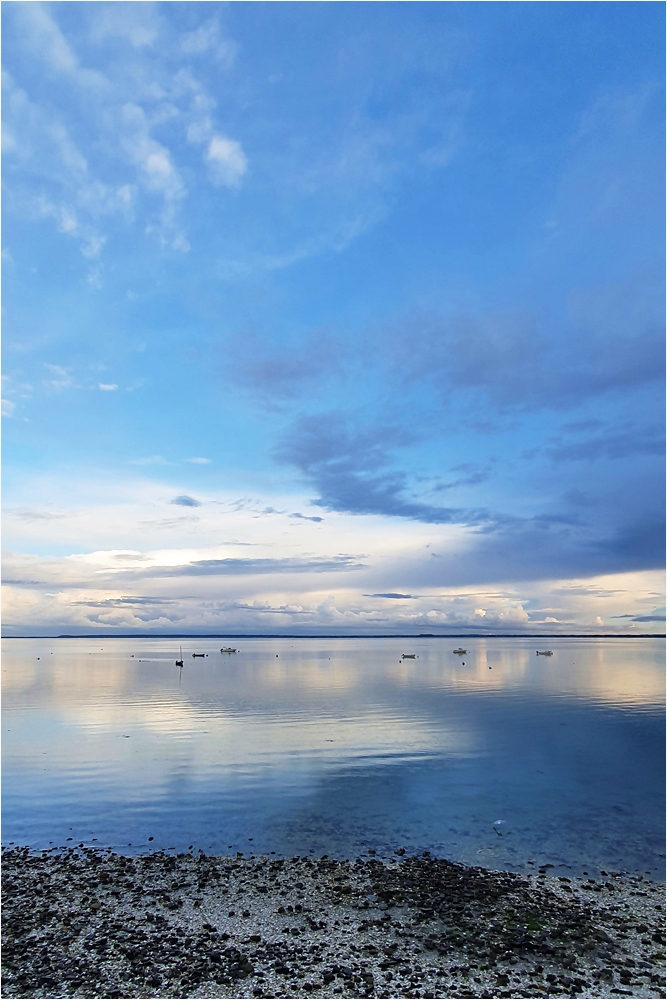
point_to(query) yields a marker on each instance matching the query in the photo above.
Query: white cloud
(44, 35)
(125, 107)
(61, 378)
(107, 388)
(120, 536)
(8, 407)
(92, 246)
(481, 612)
(151, 460)
(150, 156)
(94, 277)
(199, 461)
(227, 160)
(208, 38)
(137, 23)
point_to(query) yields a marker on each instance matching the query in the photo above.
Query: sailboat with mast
(179, 662)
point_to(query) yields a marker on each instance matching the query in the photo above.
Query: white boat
(460, 651)
(544, 652)
(228, 649)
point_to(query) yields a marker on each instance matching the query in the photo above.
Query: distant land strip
(421, 635)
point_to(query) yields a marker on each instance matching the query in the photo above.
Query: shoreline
(85, 922)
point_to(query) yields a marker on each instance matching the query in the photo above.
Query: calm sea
(498, 757)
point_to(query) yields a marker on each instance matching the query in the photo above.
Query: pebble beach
(84, 922)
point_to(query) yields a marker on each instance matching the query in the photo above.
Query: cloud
(8, 408)
(305, 517)
(30, 514)
(347, 467)
(61, 378)
(643, 618)
(119, 602)
(209, 38)
(107, 388)
(141, 182)
(136, 23)
(150, 460)
(45, 37)
(513, 361)
(475, 476)
(259, 567)
(199, 461)
(537, 549)
(613, 445)
(152, 157)
(227, 161)
(285, 374)
(394, 597)
(185, 501)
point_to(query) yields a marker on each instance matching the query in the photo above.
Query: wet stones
(410, 927)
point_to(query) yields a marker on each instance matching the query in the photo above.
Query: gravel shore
(88, 923)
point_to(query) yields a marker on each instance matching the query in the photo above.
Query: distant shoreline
(422, 635)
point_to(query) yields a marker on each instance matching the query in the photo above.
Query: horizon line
(387, 635)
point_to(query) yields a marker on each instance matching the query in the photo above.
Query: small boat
(228, 649)
(544, 652)
(198, 654)
(179, 663)
(409, 656)
(460, 651)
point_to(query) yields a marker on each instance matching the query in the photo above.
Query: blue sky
(333, 317)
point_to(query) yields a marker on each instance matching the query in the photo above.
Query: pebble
(84, 922)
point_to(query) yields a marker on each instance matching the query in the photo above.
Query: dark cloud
(126, 602)
(282, 375)
(515, 361)
(351, 471)
(185, 501)
(474, 476)
(579, 498)
(28, 514)
(305, 517)
(394, 597)
(613, 445)
(248, 567)
(348, 467)
(643, 618)
(536, 550)
(639, 544)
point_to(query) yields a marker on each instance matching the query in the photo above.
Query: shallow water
(334, 746)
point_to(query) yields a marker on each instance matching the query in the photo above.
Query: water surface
(498, 757)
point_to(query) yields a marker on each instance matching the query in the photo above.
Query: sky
(333, 318)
